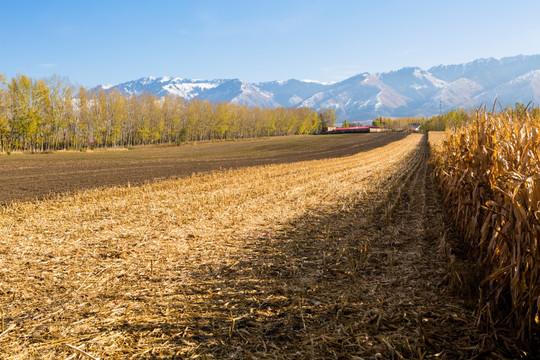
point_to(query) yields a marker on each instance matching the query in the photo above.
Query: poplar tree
(38, 114)
(327, 118)
(4, 128)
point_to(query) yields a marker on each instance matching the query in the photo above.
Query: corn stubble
(489, 172)
(175, 268)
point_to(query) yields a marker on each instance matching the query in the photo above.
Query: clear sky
(107, 42)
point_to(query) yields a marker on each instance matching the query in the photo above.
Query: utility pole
(440, 107)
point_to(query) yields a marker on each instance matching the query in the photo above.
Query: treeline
(453, 119)
(436, 123)
(397, 123)
(457, 118)
(40, 115)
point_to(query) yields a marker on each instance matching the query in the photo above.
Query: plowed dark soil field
(31, 176)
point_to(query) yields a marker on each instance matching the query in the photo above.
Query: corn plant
(489, 173)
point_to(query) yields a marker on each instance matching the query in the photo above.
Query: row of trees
(459, 117)
(397, 123)
(451, 119)
(51, 114)
(454, 118)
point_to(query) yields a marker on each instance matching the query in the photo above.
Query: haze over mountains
(410, 91)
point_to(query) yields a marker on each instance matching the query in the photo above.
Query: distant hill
(410, 91)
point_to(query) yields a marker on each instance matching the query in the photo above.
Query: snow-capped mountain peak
(410, 91)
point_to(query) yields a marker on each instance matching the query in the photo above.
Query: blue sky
(103, 42)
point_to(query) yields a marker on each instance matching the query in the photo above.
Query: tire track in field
(418, 308)
(406, 309)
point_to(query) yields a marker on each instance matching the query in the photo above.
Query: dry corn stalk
(489, 173)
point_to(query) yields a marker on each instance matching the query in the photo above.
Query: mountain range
(410, 91)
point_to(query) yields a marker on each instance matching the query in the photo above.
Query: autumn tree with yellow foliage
(51, 114)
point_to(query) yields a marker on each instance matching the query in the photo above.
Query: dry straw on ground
(284, 261)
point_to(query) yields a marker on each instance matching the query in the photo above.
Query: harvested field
(319, 259)
(435, 137)
(30, 176)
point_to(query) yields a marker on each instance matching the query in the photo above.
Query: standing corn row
(489, 173)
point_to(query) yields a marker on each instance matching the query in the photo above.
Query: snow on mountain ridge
(188, 90)
(317, 82)
(409, 91)
(295, 99)
(426, 75)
